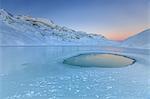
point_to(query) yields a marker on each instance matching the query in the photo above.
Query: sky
(114, 19)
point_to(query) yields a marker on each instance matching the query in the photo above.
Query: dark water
(99, 60)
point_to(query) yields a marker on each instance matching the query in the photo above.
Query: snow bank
(141, 40)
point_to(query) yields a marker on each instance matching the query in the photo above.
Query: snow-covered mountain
(140, 40)
(26, 30)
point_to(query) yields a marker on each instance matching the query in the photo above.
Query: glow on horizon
(119, 37)
(119, 34)
(122, 35)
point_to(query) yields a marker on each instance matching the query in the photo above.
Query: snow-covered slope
(141, 40)
(26, 30)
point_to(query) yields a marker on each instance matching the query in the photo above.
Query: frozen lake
(39, 73)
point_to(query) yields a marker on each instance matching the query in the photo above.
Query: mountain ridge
(140, 40)
(26, 30)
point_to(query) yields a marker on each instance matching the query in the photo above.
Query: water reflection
(100, 60)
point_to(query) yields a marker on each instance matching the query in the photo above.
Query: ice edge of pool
(133, 60)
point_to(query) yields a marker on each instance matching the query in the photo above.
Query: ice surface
(38, 73)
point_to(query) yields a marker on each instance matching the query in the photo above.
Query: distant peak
(42, 23)
(6, 16)
(3, 12)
